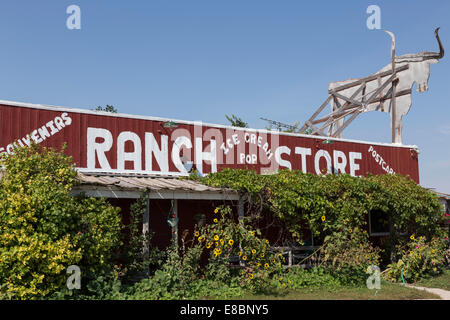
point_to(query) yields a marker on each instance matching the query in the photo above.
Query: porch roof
(159, 187)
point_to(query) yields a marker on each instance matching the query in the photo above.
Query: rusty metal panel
(110, 141)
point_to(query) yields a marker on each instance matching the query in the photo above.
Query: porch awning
(159, 187)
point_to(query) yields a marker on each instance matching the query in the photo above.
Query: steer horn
(441, 47)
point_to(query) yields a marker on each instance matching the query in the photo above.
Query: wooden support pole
(241, 220)
(146, 230)
(175, 229)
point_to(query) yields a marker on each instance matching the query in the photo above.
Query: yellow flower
(230, 242)
(267, 241)
(323, 218)
(258, 264)
(196, 233)
(244, 258)
(219, 251)
(216, 243)
(221, 241)
(284, 284)
(208, 245)
(262, 255)
(350, 230)
(216, 237)
(420, 238)
(252, 233)
(250, 276)
(200, 239)
(216, 210)
(420, 257)
(240, 253)
(266, 265)
(215, 220)
(412, 237)
(253, 251)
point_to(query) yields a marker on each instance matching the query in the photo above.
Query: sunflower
(221, 241)
(266, 265)
(215, 220)
(350, 230)
(196, 233)
(216, 237)
(412, 237)
(216, 210)
(244, 258)
(323, 218)
(250, 276)
(267, 241)
(253, 251)
(252, 233)
(262, 255)
(208, 245)
(230, 242)
(240, 253)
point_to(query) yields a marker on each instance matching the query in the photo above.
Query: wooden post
(175, 229)
(241, 208)
(241, 220)
(146, 229)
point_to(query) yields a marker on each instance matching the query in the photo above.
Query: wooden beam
(305, 126)
(346, 123)
(380, 89)
(349, 100)
(367, 79)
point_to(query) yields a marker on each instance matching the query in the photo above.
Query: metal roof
(142, 182)
(102, 184)
(160, 187)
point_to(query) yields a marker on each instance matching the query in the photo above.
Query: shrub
(418, 259)
(226, 238)
(43, 229)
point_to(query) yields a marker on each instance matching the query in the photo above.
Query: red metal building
(120, 156)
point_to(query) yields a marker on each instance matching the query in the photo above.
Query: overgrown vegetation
(43, 230)
(335, 207)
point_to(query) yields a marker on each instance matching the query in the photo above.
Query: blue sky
(200, 59)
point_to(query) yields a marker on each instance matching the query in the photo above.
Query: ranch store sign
(119, 143)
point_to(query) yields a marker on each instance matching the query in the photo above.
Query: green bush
(418, 259)
(43, 229)
(332, 204)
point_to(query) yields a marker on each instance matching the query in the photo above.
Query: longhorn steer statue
(388, 90)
